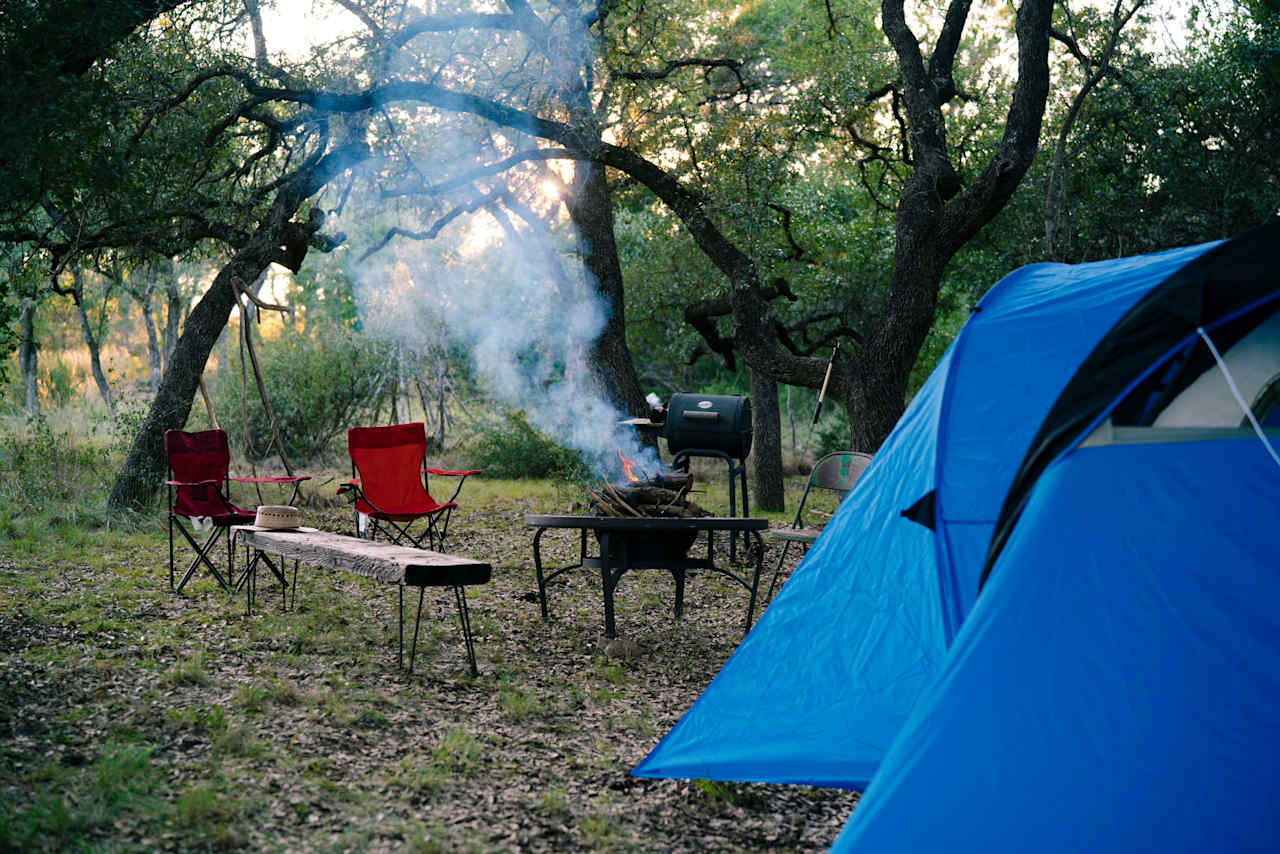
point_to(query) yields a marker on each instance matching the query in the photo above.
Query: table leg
(609, 579)
(678, 575)
(537, 565)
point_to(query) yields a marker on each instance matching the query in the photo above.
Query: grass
(137, 719)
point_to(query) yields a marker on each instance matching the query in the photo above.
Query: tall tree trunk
(766, 444)
(91, 341)
(172, 315)
(590, 209)
(155, 357)
(144, 467)
(28, 357)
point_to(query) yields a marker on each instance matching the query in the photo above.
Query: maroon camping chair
(199, 482)
(390, 480)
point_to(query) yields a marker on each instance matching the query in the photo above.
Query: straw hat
(277, 516)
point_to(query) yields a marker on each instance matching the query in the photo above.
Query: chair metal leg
(171, 524)
(785, 546)
(202, 556)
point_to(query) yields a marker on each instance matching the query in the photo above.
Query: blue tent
(1117, 685)
(824, 682)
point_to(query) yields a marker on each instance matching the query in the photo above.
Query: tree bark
(591, 210)
(276, 239)
(172, 314)
(766, 444)
(155, 357)
(28, 357)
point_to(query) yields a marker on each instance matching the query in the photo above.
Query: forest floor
(132, 718)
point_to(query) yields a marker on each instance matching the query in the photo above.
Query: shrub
(317, 385)
(514, 448)
(47, 471)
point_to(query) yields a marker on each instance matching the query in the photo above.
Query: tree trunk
(155, 358)
(591, 210)
(91, 341)
(172, 315)
(28, 357)
(766, 444)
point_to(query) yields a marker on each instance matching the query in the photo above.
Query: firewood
(621, 502)
(636, 495)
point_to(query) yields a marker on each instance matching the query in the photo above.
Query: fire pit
(632, 542)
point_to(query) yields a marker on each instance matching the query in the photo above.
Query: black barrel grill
(712, 425)
(720, 423)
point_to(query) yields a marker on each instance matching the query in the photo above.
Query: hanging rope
(1235, 392)
(246, 343)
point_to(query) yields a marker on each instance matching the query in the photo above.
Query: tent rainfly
(1095, 447)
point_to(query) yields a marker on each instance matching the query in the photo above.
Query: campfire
(644, 494)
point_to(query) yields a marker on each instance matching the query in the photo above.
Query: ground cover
(135, 719)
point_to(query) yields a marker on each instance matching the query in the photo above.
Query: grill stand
(737, 473)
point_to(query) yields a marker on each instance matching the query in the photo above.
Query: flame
(628, 469)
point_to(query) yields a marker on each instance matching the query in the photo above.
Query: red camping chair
(198, 486)
(389, 480)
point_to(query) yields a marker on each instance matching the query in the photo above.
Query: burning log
(661, 496)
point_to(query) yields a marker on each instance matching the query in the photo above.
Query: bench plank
(380, 561)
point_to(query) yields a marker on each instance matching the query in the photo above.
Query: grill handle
(699, 415)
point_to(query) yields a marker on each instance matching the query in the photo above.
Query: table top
(647, 523)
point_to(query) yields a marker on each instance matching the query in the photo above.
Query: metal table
(646, 543)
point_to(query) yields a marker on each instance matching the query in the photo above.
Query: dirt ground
(132, 718)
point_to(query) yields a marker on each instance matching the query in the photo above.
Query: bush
(317, 386)
(514, 448)
(49, 475)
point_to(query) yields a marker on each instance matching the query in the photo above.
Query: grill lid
(712, 422)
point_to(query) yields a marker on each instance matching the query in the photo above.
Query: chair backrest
(839, 471)
(194, 457)
(388, 461)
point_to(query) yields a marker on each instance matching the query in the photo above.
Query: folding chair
(389, 482)
(199, 482)
(837, 472)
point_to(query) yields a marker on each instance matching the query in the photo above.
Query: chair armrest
(448, 473)
(297, 479)
(212, 482)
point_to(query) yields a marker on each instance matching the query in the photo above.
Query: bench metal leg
(460, 594)
(464, 618)
(400, 605)
(417, 621)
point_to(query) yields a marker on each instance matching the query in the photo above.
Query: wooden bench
(392, 564)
